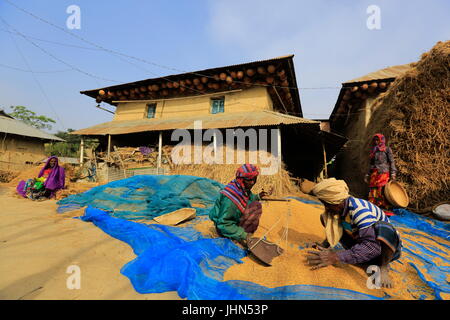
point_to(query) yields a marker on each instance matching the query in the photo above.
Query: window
(151, 108)
(217, 105)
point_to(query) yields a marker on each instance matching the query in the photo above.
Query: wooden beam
(279, 98)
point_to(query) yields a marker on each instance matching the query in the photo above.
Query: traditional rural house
(255, 95)
(21, 144)
(350, 117)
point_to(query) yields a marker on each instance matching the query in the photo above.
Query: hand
(316, 245)
(321, 258)
(245, 242)
(264, 193)
(366, 178)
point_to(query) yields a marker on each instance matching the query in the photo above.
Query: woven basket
(396, 194)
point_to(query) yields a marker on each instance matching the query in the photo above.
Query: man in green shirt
(237, 210)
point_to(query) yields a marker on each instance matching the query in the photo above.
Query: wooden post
(279, 148)
(107, 158)
(159, 152)
(109, 147)
(215, 144)
(81, 151)
(324, 160)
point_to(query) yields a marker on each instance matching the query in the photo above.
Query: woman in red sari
(382, 169)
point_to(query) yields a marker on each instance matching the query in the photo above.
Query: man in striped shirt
(362, 228)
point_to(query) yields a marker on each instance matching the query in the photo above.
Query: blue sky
(330, 41)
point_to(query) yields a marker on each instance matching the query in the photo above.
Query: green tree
(70, 147)
(31, 118)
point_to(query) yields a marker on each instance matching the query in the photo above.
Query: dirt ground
(37, 245)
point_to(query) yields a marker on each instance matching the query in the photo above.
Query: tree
(70, 147)
(31, 118)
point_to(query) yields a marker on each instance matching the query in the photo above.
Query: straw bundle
(280, 182)
(414, 115)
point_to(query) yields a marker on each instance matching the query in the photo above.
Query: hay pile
(280, 182)
(7, 176)
(414, 115)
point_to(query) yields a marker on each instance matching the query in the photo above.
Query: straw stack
(414, 115)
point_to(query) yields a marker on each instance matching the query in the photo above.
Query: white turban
(331, 191)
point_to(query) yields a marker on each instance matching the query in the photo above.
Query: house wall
(246, 100)
(353, 161)
(17, 150)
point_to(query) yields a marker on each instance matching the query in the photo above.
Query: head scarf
(333, 228)
(235, 190)
(56, 178)
(331, 191)
(381, 146)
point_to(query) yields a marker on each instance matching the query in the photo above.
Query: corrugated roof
(13, 126)
(213, 121)
(386, 73)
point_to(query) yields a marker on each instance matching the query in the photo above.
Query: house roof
(281, 84)
(10, 125)
(383, 74)
(211, 121)
(354, 92)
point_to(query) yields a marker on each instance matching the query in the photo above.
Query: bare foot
(386, 281)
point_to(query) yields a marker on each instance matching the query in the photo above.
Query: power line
(54, 42)
(33, 71)
(62, 126)
(150, 62)
(53, 56)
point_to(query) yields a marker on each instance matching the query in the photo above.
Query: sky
(44, 65)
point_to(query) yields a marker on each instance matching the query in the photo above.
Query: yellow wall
(15, 151)
(246, 100)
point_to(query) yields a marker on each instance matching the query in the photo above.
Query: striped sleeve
(364, 214)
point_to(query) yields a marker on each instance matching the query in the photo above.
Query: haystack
(414, 115)
(279, 180)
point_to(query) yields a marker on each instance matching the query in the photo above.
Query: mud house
(351, 117)
(242, 99)
(22, 144)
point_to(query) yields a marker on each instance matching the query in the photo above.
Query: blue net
(147, 196)
(181, 259)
